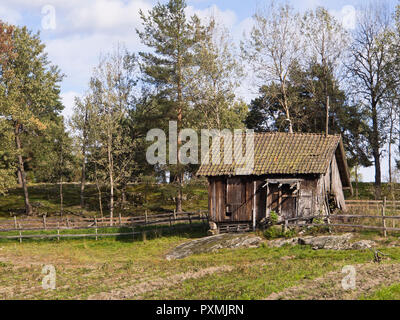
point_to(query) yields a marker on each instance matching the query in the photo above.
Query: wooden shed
(294, 175)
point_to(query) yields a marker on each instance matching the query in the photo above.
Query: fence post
(383, 218)
(67, 222)
(20, 234)
(133, 230)
(15, 223)
(201, 215)
(95, 224)
(145, 216)
(119, 217)
(58, 231)
(44, 222)
(175, 215)
(284, 226)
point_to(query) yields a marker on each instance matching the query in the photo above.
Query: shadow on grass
(144, 233)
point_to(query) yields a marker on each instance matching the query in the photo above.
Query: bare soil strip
(369, 277)
(136, 290)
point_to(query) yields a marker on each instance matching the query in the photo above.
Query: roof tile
(279, 153)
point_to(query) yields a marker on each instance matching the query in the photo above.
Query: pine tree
(173, 39)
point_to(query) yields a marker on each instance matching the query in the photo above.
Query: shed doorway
(282, 198)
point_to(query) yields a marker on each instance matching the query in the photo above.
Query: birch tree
(111, 87)
(80, 123)
(327, 41)
(369, 61)
(215, 79)
(274, 47)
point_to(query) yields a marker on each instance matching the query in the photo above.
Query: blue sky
(76, 32)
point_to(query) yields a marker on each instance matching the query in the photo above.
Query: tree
(369, 62)
(172, 39)
(327, 40)
(215, 79)
(275, 46)
(7, 167)
(308, 88)
(7, 159)
(80, 123)
(29, 94)
(112, 149)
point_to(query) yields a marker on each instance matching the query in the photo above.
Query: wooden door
(237, 200)
(273, 198)
(288, 202)
(282, 200)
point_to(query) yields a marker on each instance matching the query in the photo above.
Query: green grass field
(122, 268)
(366, 191)
(126, 268)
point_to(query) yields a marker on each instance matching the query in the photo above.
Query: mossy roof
(279, 153)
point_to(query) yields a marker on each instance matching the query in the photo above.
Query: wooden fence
(373, 204)
(368, 214)
(24, 225)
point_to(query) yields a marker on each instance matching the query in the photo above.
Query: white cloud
(77, 55)
(9, 15)
(243, 28)
(105, 16)
(68, 99)
(347, 16)
(227, 17)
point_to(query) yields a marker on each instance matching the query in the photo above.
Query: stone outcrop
(330, 242)
(363, 244)
(214, 243)
(333, 242)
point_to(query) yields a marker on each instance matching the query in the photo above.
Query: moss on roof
(278, 153)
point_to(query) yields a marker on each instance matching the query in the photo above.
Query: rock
(281, 242)
(212, 232)
(214, 243)
(333, 242)
(212, 225)
(213, 229)
(363, 244)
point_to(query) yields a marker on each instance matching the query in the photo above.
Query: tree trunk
(356, 171)
(179, 193)
(110, 164)
(83, 174)
(286, 107)
(376, 155)
(98, 190)
(327, 116)
(390, 150)
(21, 170)
(61, 197)
(179, 124)
(19, 178)
(123, 195)
(83, 181)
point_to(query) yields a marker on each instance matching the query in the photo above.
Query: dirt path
(369, 277)
(136, 290)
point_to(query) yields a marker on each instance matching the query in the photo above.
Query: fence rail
(370, 204)
(23, 225)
